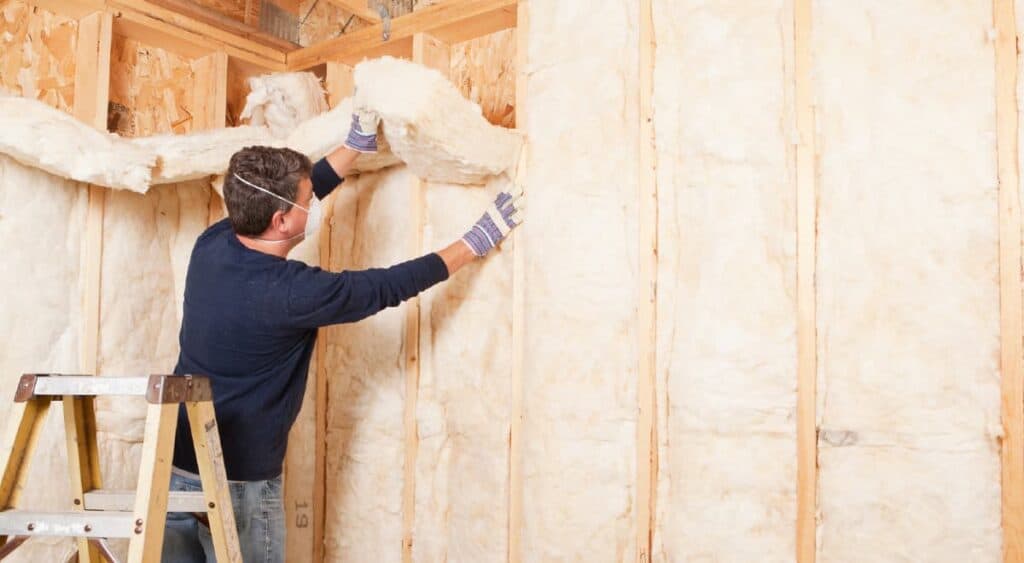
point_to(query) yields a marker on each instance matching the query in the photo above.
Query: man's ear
(277, 221)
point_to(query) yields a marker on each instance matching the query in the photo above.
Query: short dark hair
(276, 170)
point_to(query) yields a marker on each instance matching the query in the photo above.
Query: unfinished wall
(726, 283)
(907, 331)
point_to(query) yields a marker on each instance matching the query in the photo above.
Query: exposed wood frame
(358, 8)
(646, 446)
(1011, 346)
(244, 30)
(433, 53)
(451, 21)
(807, 360)
(92, 94)
(210, 91)
(339, 85)
(166, 29)
(515, 431)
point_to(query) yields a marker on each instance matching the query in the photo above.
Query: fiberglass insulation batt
(726, 283)
(462, 410)
(908, 303)
(42, 218)
(366, 378)
(580, 244)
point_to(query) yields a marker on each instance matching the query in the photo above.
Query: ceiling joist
(196, 33)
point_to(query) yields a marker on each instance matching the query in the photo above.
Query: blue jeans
(259, 516)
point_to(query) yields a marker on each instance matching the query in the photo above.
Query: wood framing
(1010, 320)
(210, 91)
(451, 21)
(240, 29)
(92, 92)
(340, 83)
(434, 53)
(164, 28)
(515, 431)
(167, 29)
(358, 8)
(806, 228)
(646, 446)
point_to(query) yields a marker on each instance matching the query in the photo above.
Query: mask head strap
(250, 184)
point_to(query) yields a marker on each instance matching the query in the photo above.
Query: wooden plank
(1010, 320)
(24, 423)
(83, 461)
(154, 480)
(163, 28)
(646, 451)
(358, 8)
(92, 96)
(210, 91)
(239, 29)
(434, 53)
(441, 20)
(807, 360)
(515, 431)
(252, 13)
(339, 84)
(322, 378)
(210, 461)
(92, 93)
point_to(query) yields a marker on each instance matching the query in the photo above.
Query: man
(250, 320)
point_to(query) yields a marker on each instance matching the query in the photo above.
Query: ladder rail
(97, 513)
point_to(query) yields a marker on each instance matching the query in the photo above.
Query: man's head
(256, 214)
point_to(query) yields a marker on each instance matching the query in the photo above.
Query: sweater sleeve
(324, 178)
(319, 298)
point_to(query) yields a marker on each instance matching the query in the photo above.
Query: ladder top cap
(157, 389)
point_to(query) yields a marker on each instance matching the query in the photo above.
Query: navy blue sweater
(249, 323)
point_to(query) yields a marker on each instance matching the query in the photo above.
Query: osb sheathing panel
(154, 84)
(580, 365)
(726, 352)
(908, 303)
(37, 54)
(483, 69)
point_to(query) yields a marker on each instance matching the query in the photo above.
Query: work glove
(362, 136)
(496, 223)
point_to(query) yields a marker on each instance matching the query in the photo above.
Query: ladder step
(91, 385)
(67, 524)
(177, 501)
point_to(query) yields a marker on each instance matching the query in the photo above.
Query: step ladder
(97, 514)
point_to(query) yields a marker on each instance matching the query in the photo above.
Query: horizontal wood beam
(216, 19)
(359, 9)
(184, 30)
(164, 28)
(452, 21)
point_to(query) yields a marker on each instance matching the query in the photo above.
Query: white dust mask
(314, 212)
